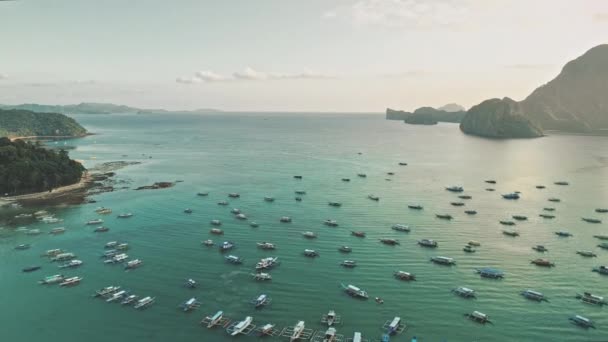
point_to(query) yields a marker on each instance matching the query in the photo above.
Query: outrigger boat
(330, 318)
(111, 244)
(94, 222)
(52, 252)
(233, 259)
(262, 276)
(348, 263)
(588, 254)
(144, 302)
(226, 245)
(330, 335)
(267, 329)
(311, 253)
(444, 216)
(298, 330)
(309, 235)
(345, 249)
(441, 260)
(207, 243)
(511, 233)
(534, 295)
(545, 216)
(71, 264)
(133, 264)
(428, 243)
(591, 220)
(354, 291)
(540, 248)
(268, 199)
(334, 204)
(71, 281)
(582, 321)
(56, 231)
(214, 320)
(261, 300)
(455, 188)
(125, 215)
(589, 298)
(563, 234)
(118, 258)
(216, 231)
(373, 197)
(122, 246)
(401, 275)
(331, 223)
(464, 292)
(401, 228)
(103, 211)
(285, 219)
(101, 229)
(116, 296)
(266, 245)
(64, 257)
(391, 242)
(130, 299)
(542, 262)
(358, 234)
(241, 216)
(478, 317)
(267, 263)
(241, 326)
(190, 283)
(216, 222)
(54, 279)
(190, 305)
(415, 206)
(491, 273)
(394, 326)
(106, 291)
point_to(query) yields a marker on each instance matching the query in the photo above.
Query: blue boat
(226, 245)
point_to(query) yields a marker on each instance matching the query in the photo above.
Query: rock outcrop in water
(425, 115)
(575, 101)
(496, 118)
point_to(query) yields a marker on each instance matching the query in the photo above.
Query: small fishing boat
(444, 216)
(208, 243)
(561, 183)
(330, 335)
(457, 204)
(542, 262)
(190, 305)
(553, 199)
(309, 235)
(348, 263)
(266, 329)
(233, 259)
(511, 233)
(547, 216)
(117, 259)
(520, 217)
(441, 260)
(428, 243)
(470, 212)
(601, 237)
(373, 197)
(390, 242)
(601, 269)
(261, 300)
(390, 173)
(190, 283)
(64, 257)
(223, 203)
(262, 276)
(355, 291)
(379, 300)
(203, 194)
(241, 326)
(490, 181)
(234, 195)
(401, 228)
(116, 296)
(394, 326)
(346, 179)
(226, 246)
(507, 223)
(469, 249)
(465, 197)
(31, 269)
(331, 223)
(267, 263)
(490, 189)
(111, 244)
(511, 196)
(268, 199)
(235, 211)
(345, 249)
(23, 246)
(587, 254)
(72, 281)
(478, 317)
(603, 245)
(101, 229)
(298, 330)
(563, 234)
(298, 199)
(540, 248)
(358, 234)
(241, 216)
(125, 215)
(334, 204)
(402, 163)
(601, 210)
(534, 295)
(492, 273)
(474, 243)
(94, 222)
(330, 318)
(72, 264)
(464, 292)
(549, 209)
(214, 320)
(285, 219)
(33, 232)
(106, 291)
(415, 206)
(540, 186)
(582, 321)
(300, 192)
(216, 222)
(58, 230)
(589, 298)
(406, 276)
(216, 231)
(54, 279)
(122, 246)
(266, 245)
(103, 211)
(591, 220)
(311, 253)
(133, 264)
(128, 300)
(362, 175)
(297, 177)
(455, 188)
(188, 211)
(144, 302)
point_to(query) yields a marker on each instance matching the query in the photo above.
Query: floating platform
(337, 319)
(306, 333)
(246, 331)
(320, 335)
(223, 323)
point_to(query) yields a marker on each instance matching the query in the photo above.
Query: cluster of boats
(124, 297)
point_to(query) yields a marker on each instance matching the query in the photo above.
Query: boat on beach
(546, 216)
(601, 269)
(511, 233)
(470, 212)
(507, 223)
(468, 249)
(511, 196)
(563, 234)
(601, 210)
(457, 204)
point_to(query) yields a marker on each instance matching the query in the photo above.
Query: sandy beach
(73, 193)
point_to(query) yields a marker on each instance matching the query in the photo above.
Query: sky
(288, 55)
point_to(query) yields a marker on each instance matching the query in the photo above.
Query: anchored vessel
(401, 228)
(534, 295)
(491, 273)
(190, 305)
(144, 302)
(355, 291)
(464, 292)
(441, 260)
(582, 321)
(241, 326)
(478, 317)
(298, 330)
(428, 243)
(589, 298)
(401, 275)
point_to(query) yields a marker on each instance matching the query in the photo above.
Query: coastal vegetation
(24, 123)
(27, 167)
(428, 115)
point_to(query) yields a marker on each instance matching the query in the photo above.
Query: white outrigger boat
(589, 298)
(52, 252)
(330, 335)
(94, 222)
(56, 231)
(133, 264)
(144, 302)
(54, 279)
(267, 329)
(106, 291)
(63, 257)
(116, 296)
(118, 258)
(261, 276)
(71, 264)
(214, 320)
(241, 326)
(261, 300)
(267, 263)
(355, 291)
(190, 305)
(71, 281)
(298, 329)
(130, 299)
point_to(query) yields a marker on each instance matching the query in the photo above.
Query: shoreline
(72, 191)
(45, 137)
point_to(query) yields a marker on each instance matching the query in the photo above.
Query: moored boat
(190, 304)
(348, 263)
(216, 231)
(128, 300)
(511, 233)
(94, 222)
(588, 254)
(216, 222)
(234, 195)
(144, 302)
(31, 269)
(334, 204)
(298, 330)
(23, 246)
(58, 230)
(603, 245)
(444, 216)
(309, 235)
(478, 317)
(71, 281)
(591, 220)
(534, 295)
(311, 253)
(331, 223)
(207, 243)
(267, 263)
(590, 298)
(373, 197)
(428, 243)
(345, 249)
(63, 257)
(72, 264)
(101, 229)
(54, 279)
(474, 243)
(401, 228)
(442, 260)
(132, 264)
(190, 283)
(330, 335)
(358, 234)
(455, 188)
(268, 199)
(540, 248)
(601, 269)
(241, 326)
(542, 262)
(582, 321)
(492, 273)
(262, 276)
(469, 249)
(394, 326)
(125, 215)
(116, 296)
(285, 219)
(233, 259)
(266, 245)
(601, 210)
(415, 206)
(406, 276)
(214, 320)
(390, 242)
(464, 292)
(106, 291)
(355, 291)
(226, 245)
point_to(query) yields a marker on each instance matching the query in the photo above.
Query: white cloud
(417, 14)
(248, 74)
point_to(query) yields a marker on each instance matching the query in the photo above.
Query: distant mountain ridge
(24, 123)
(575, 101)
(97, 108)
(427, 115)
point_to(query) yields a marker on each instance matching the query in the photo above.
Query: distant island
(25, 123)
(428, 115)
(27, 167)
(576, 101)
(100, 108)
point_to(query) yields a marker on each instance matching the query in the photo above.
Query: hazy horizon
(315, 56)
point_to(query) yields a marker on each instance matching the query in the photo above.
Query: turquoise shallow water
(257, 155)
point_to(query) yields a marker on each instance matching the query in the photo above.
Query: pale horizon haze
(315, 55)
